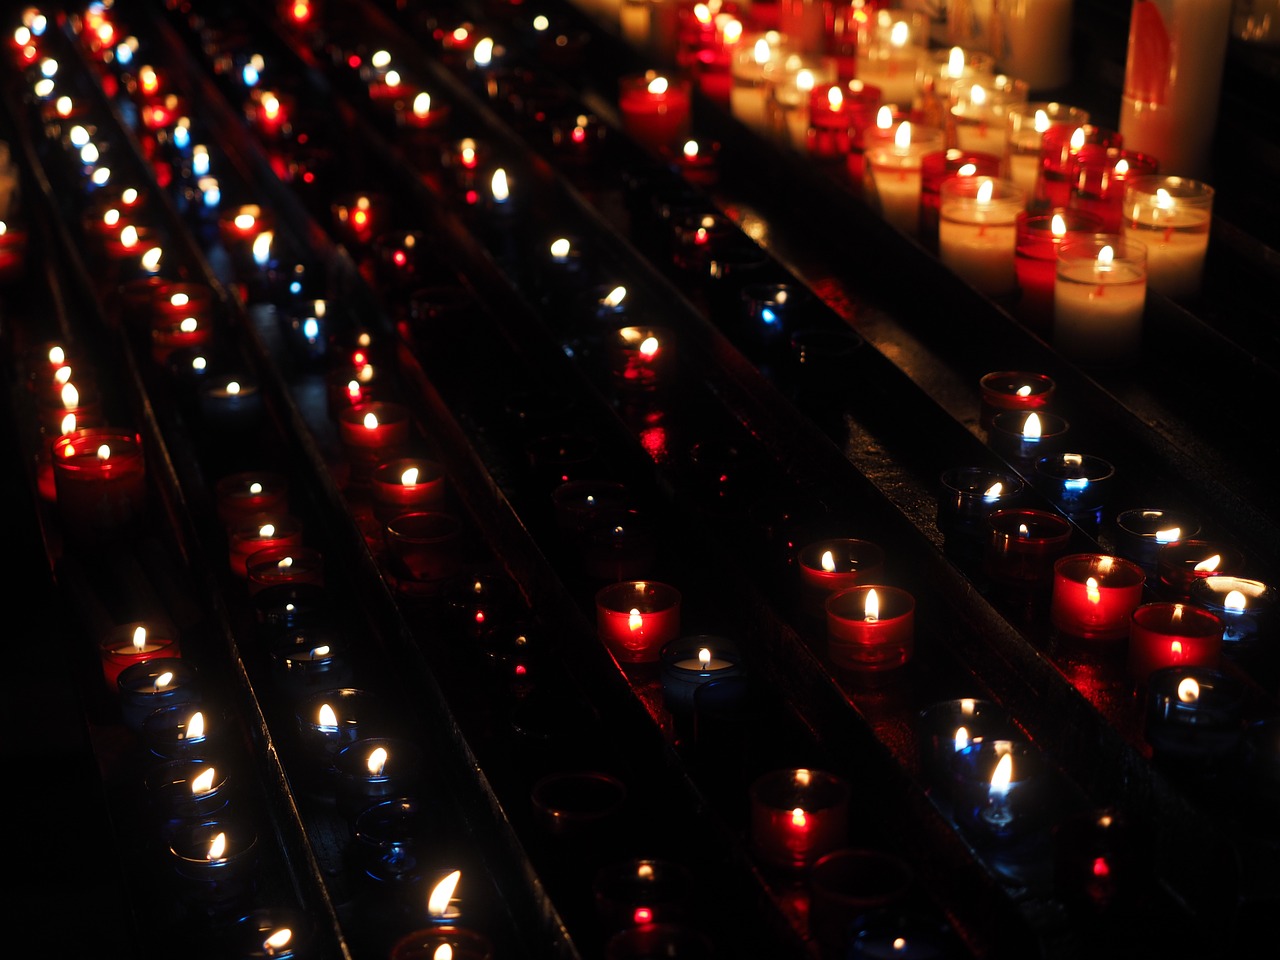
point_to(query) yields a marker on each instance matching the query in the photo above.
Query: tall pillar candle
(1032, 40)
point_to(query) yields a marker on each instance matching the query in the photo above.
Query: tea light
(967, 496)
(307, 661)
(837, 114)
(421, 113)
(265, 532)
(798, 816)
(284, 564)
(215, 860)
(1094, 595)
(690, 662)
(100, 478)
(949, 727)
(1193, 713)
(373, 431)
(1025, 437)
(757, 59)
(430, 944)
(1039, 238)
(376, 769)
(233, 404)
(406, 485)
(333, 719)
(697, 162)
(828, 566)
(937, 168)
(1246, 607)
(1014, 390)
(890, 53)
(243, 496)
(655, 110)
(424, 547)
(641, 356)
(1059, 145)
(1100, 175)
(132, 643)
(1024, 134)
(1171, 217)
(1023, 546)
(1179, 564)
(148, 686)
(979, 111)
(1077, 483)
(1144, 532)
(940, 71)
(636, 618)
(995, 784)
(1172, 635)
(977, 231)
(894, 174)
(1098, 299)
(187, 789)
(639, 892)
(184, 730)
(870, 628)
(274, 934)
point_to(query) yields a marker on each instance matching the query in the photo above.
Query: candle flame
(422, 105)
(151, 259)
(57, 355)
(871, 609)
(690, 150)
(649, 347)
(284, 563)
(483, 55)
(410, 477)
(1235, 601)
(195, 726)
(835, 99)
(761, 52)
(111, 218)
(1024, 390)
(262, 247)
(1023, 532)
(163, 681)
(442, 893)
(217, 847)
(233, 388)
(129, 237)
(380, 59)
(704, 657)
(1031, 429)
(370, 421)
(805, 81)
(899, 944)
(244, 221)
(70, 397)
(320, 651)
(900, 33)
(1164, 199)
(732, 31)
(188, 325)
(961, 738)
(541, 23)
(1209, 564)
(376, 762)
(1106, 257)
(498, 186)
(443, 952)
(327, 719)
(635, 621)
(68, 423)
(1002, 776)
(255, 488)
(1121, 167)
(967, 170)
(277, 940)
(1058, 225)
(62, 375)
(1077, 140)
(203, 783)
(615, 297)
(828, 562)
(993, 491)
(658, 86)
(1188, 690)
(955, 62)
(1169, 535)
(1091, 591)
(267, 530)
(884, 118)
(139, 639)
(104, 452)
(798, 818)
(902, 136)
(1175, 650)
(985, 190)
(977, 95)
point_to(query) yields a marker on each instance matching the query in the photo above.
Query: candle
(1039, 238)
(243, 496)
(100, 479)
(1171, 217)
(1059, 145)
(655, 110)
(690, 662)
(1172, 635)
(187, 789)
(1098, 178)
(358, 217)
(837, 114)
(1024, 135)
(376, 769)
(1143, 532)
(215, 862)
(284, 564)
(261, 533)
(462, 944)
(1246, 607)
(977, 231)
(231, 405)
(939, 72)
(1014, 390)
(424, 548)
(1077, 483)
(1099, 296)
(937, 168)
(422, 112)
(292, 606)
(392, 845)
(1023, 546)
(406, 485)
(146, 687)
(307, 661)
(275, 933)
(170, 333)
(1180, 564)
(995, 784)
(797, 817)
(183, 730)
(890, 53)
(373, 431)
(968, 495)
(1035, 42)
(757, 59)
(1193, 713)
(641, 357)
(870, 628)
(1094, 596)
(578, 807)
(696, 162)
(636, 618)
(979, 110)
(828, 566)
(1026, 437)
(1172, 79)
(894, 174)
(639, 892)
(949, 727)
(132, 643)
(333, 719)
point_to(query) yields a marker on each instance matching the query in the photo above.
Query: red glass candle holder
(284, 564)
(639, 892)
(944, 165)
(828, 566)
(655, 110)
(642, 357)
(374, 431)
(424, 548)
(243, 496)
(359, 217)
(261, 533)
(100, 478)
(1246, 607)
(798, 817)
(132, 643)
(1193, 714)
(1024, 437)
(580, 805)
(1023, 546)
(969, 495)
(1179, 564)
(1014, 390)
(635, 619)
(696, 161)
(1172, 635)
(427, 944)
(1097, 176)
(950, 726)
(1094, 596)
(406, 485)
(870, 627)
(1058, 146)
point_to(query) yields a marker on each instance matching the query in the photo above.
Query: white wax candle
(984, 254)
(893, 71)
(1097, 313)
(1037, 42)
(1171, 216)
(696, 665)
(1024, 168)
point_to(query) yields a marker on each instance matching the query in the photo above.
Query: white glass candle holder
(1025, 126)
(1171, 215)
(890, 52)
(978, 232)
(1035, 41)
(979, 112)
(1098, 298)
(894, 174)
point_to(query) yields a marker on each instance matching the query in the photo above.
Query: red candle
(1094, 596)
(191, 330)
(132, 643)
(1036, 262)
(641, 355)
(1180, 564)
(289, 564)
(266, 532)
(100, 478)
(422, 113)
(1014, 390)
(244, 496)
(406, 485)
(373, 430)
(655, 110)
(871, 627)
(359, 218)
(798, 816)
(424, 547)
(696, 162)
(1023, 545)
(636, 618)
(1097, 176)
(1058, 145)
(829, 566)
(1172, 635)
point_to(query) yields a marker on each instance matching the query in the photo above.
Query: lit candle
(828, 566)
(1193, 714)
(890, 53)
(1025, 437)
(894, 174)
(642, 356)
(1180, 564)
(1099, 177)
(1077, 483)
(967, 496)
(757, 59)
(980, 109)
(797, 816)
(655, 110)
(690, 662)
(1060, 144)
(1023, 546)
(1094, 596)
(1145, 531)
(129, 644)
(375, 769)
(1171, 217)
(422, 113)
(405, 485)
(977, 231)
(1099, 297)
(870, 628)
(100, 479)
(1026, 126)
(262, 533)
(1172, 635)
(272, 566)
(995, 784)
(243, 496)
(373, 431)
(146, 687)
(635, 619)
(1014, 390)
(1039, 238)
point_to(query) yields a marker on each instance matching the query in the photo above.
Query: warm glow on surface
(139, 639)
(1235, 601)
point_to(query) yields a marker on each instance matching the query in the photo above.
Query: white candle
(1171, 215)
(757, 58)
(977, 231)
(1025, 129)
(1098, 298)
(892, 55)
(1173, 77)
(896, 177)
(980, 110)
(1037, 42)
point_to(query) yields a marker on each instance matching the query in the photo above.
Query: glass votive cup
(1172, 635)
(641, 357)
(284, 564)
(978, 112)
(850, 883)
(1098, 177)
(1094, 595)
(978, 233)
(373, 770)
(1246, 607)
(1024, 437)
(1014, 390)
(1171, 216)
(187, 789)
(1193, 714)
(308, 661)
(1143, 532)
(215, 861)
(394, 842)
(1023, 546)
(798, 816)
(426, 547)
(406, 485)
(131, 643)
(332, 719)
(894, 174)
(243, 496)
(870, 627)
(1099, 296)
(655, 110)
(184, 731)
(828, 566)
(637, 618)
(1180, 564)
(996, 787)
(937, 168)
(692, 661)
(148, 686)
(265, 532)
(1039, 236)
(1058, 145)
(1095, 860)
(270, 934)
(966, 497)
(1077, 483)
(426, 944)
(774, 309)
